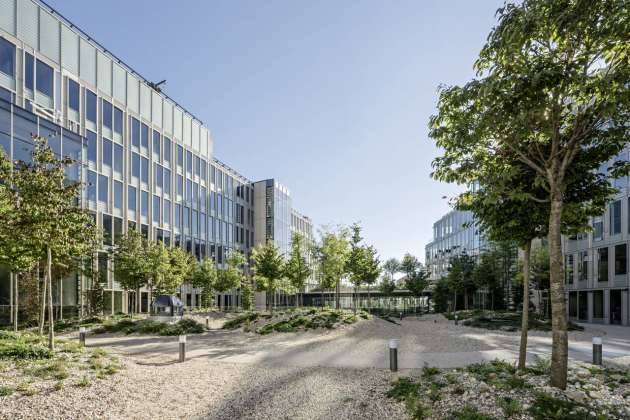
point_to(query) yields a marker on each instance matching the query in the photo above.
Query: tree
(232, 275)
(131, 262)
(485, 277)
(57, 229)
(391, 267)
(333, 255)
(362, 262)
(247, 293)
(297, 269)
(387, 286)
(373, 271)
(459, 276)
(416, 277)
(268, 269)
(179, 268)
(552, 90)
(441, 293)
(204, 277)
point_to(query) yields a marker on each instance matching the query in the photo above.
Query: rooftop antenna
(156, 86)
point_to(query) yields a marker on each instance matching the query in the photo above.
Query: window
(158, 175)
(178, 216)
(91, 186)
(180, 156)
(197, 165)
(29, 71)
(598, 229)
(107, 152)
(103, 189)
(107, 229)
(156, 209)
(118, 195)
(615, 217)
(107, 114)
(188, 191)
(167, 151)
(118, 159)
(45, 79)
(144, 170)
(73, 95)
(135, 132)
(204, 169)
(194, 223)
(91, 146)
(180, 187)
(598, 304)
(144, 136)
(167, 181)
(569, 270)
(118, 224)
(131, 198)
(602, 264)
(186, 219)
(583, 266)
(144, 203)
(135, 165)
(621, 259)
(90, 106)
(189, 162)
(7, 58)
(118, 121)
(167, 212)
(157, 149)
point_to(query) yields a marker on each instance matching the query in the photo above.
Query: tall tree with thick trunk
(552, 90)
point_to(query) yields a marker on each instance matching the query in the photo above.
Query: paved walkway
(428, 340)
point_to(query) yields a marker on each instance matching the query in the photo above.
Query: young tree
(460, 276)
(247, 293)
(387, 286)
(391, 267)
(552, 90)
(268, 269)
(416, 277)
(204, 277)
(360, 261)
(334, 251)
(181, 266)
(131, 262)
(371, 267)
(232, 275)
(297, 269)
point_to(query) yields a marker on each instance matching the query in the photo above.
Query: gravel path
(210, 390)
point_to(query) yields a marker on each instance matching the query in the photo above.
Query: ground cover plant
(151, 327)
(504, 321)
(295, 319)
(28, 367)
(497, 390)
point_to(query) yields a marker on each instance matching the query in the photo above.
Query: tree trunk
(61, 299)
(42, 318)
(16, 305)
(522, 355)
(559, 349)
(354, 300)
(337, 292)
(51, 322)
(465, 298)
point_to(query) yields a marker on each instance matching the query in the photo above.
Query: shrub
(468, 413)
(21, 348)
(486, 370)
(546, 407)
(402, 388)
(428, 371)
(6, 391)
(510, 406)
(541, 366)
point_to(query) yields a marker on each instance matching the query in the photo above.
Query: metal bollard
(401, 316)
(456, 320)
(597, 351)
(82, 336)
(208, 322)
(182, 348)
(393, 355)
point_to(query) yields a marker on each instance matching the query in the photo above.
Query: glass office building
(146, 163)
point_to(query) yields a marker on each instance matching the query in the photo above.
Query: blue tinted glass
(167, 181)
(144, 203)
(24, 128)
(118, 120)
(71, 145)
(107, 114)
(5, 131)
(135, 165)
(135, 132)
(144, 170)
(158, 175)
(204, 169)
(197, 166)
(107, 152)
(7, 57)
(131, 198)
(118, 195)
(167, 212)
(156, 144)
(178, 216)
(90, 106)
(91, 186)
(103, 188)
(144, 136)
(29, 72)
(91, 146)
(167, 150)
(188, 162)
(45, 78)
(156, 209)
(51, 133)
(73, 95)
(194, 223)
(118, 158)
(180, 156)
(180, 185)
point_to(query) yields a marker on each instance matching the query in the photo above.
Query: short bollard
(456, 320)
(182, 348)
(208, 322)
(82, 336)
(401, 316)
(393, 355)
(597, 350)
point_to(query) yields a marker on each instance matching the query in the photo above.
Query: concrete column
(624, 307)
(590, 306)
(607, 306)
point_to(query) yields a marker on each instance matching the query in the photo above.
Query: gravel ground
(199, 389)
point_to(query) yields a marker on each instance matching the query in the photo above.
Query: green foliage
(333, 255)
(441, 293)
(5, 391)
(152, 327)
(204, 277)
(468, 413)
(429, 371)
(391, 267)
(130, 258)
(247, 294)
(387, 286)
(240, 320)
(268, 267)
(232, 275)
(402, 388)
(22, 347)
(416, 277)
(297, 269)
(546, 407)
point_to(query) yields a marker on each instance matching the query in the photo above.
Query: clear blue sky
(330, 97)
